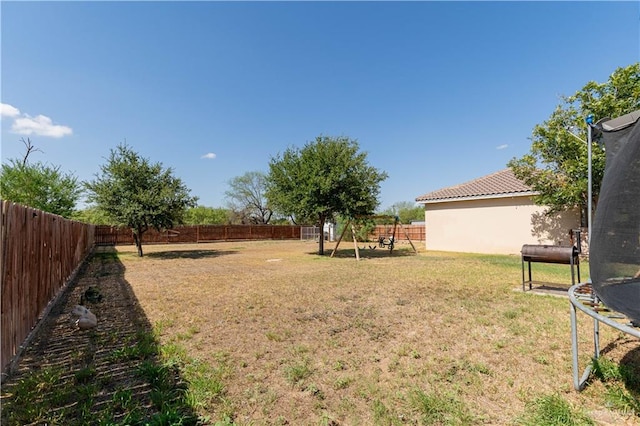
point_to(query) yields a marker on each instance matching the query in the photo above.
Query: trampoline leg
(578, 382)
(596, 334)
(596, 339)
(574, 348)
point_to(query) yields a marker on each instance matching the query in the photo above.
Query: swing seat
(383, 242)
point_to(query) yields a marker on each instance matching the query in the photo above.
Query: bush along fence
(40, 253)
(110, 235)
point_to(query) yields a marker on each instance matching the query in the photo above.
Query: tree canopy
(556, 166)
(39, 185)
(406, 211)
(326, 177)
(246, 198)
(135, 193)
(202, 215)
(91, 215)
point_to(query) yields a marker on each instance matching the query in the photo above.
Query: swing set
(383, 242)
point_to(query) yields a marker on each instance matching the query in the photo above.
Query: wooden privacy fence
(40, 252)
(415, 232)
(109, 235)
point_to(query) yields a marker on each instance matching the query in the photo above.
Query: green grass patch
(622, 384)
(382, 415)
(274, 337)
(297, 372)
(143, 346)
(553, 410)
(53, 396)
(106, 256)
(206, 386)
(436, 408)
(85, 375)
(47, 397)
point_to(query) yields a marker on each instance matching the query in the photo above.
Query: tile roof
(496, 184)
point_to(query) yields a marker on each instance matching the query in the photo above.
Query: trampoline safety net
(614, 259)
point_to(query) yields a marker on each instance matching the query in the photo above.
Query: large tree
(246, 198)
(39, 185)
(135, 193)
(556, 166)
(326, 177)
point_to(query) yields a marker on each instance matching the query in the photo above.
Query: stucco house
(491, 214)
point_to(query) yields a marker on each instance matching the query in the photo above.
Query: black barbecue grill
(565, 255)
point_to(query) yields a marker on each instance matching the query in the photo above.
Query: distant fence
(110, 235)
(40, 253)
(415, 232)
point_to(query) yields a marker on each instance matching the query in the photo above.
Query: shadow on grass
(371, 253)
(111, 374)
(621, 379)
(630, 363)
(189, 254)
(541, 287)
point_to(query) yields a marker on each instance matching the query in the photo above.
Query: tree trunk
(321, 219)
(137, 238)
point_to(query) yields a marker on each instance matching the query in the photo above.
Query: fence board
(40, 252)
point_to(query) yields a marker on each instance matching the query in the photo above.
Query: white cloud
(7, 110)
(40, 125)
(503, 146)
(209, 156)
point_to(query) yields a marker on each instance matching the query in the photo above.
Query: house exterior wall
(494, 225)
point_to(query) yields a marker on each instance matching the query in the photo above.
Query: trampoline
(613, 296)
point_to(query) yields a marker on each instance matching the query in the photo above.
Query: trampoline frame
(584, 299)
(581, 295)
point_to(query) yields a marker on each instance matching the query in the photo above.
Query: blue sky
(437, 93)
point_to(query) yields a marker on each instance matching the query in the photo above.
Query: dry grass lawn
(270, 333)
(307, 339)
